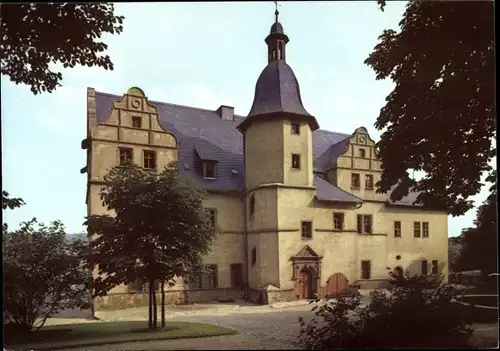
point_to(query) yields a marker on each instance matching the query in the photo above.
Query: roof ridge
(167, 103)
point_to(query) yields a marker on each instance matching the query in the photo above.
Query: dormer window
(295, 128)
(136, 122)
(209, 170)
(362, 153)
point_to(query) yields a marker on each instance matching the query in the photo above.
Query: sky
(201, 54)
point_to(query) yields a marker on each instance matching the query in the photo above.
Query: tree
(34, 35)
(439, 117)
(415, 312)
(43, 273)
(159, 231)
(480, 242)
(11, 203)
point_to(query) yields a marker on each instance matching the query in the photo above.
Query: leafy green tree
(43, 273)
(35, 35)
(8, 202)
(480, 242)
(159, 230)
(415, 312)
(439, 118)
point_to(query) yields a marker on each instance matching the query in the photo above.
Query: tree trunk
(163, 303)
(150, 305)
(155, 309)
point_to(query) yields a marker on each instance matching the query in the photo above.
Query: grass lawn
(91, 334)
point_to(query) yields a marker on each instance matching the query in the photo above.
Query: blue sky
(197, 54)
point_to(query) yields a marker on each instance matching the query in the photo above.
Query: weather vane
(276, 12)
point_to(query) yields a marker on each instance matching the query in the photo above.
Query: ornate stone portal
(306, 273)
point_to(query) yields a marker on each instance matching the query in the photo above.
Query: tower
(277, 137)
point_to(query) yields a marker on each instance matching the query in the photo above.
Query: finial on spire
(276, 13)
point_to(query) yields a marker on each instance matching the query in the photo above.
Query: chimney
(226, 112)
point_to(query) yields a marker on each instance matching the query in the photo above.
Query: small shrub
(414, 312)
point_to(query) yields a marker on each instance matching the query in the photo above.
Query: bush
(414, 312)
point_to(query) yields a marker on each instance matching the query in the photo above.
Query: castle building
(295, 206)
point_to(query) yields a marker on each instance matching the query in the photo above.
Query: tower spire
(276, 40)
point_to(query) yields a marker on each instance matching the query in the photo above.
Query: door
(306, 284)
(336, 284)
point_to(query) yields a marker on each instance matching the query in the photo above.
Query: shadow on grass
(92, 334)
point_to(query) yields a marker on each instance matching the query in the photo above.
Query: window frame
(363, 226)
(434, 267)
(295, 127)
(212, 214)
(251, 204)
(369, 184)
(397, 229)
(303, 233)
(425, 231)
(417, 228)
(152, 153)
(353, 184)
(136, 119)
(342, 220)
(206, 280)
(206, 167)
(296, 161)
(424, 264)
(126, 150)
(366, 264)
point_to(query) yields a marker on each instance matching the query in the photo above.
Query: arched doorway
(305, 284)
(336, 284)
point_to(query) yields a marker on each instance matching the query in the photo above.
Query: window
(206, 279)
(368, 181)
(338, 221)
(355, 182)
(295, 128)
(296, 161)
(125, 155)
(366, 270)
(254, 256)
(397, 229)
(212, 216)
(364, 224)
(143, 285)
(237, 275)
(435, 267)
(252, 204)
(424, 267)
(149, 159)
(209, 170)
(136, 122)
(425, 229)
(416, 229)
(362, 153)
(306, 230)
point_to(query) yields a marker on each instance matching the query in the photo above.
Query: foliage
(480, 243)
(11, 203)
(440, 114)
(415, 312)
(160, 229)
(43, 273)
(34, 35)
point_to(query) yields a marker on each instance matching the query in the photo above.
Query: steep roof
(204, 134)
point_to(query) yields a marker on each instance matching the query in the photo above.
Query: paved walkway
(260, 327)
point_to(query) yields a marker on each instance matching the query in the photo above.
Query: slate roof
(277, 90)
(203, 133)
